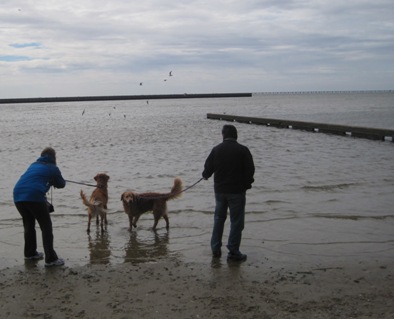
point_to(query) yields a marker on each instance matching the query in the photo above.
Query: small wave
(274, 202)
(8, 203)
(67, 215)
(342, 242)
(325, 188)
(256, 212)
(166, 176)
(10, 221)
(187, 211)
(352, 217)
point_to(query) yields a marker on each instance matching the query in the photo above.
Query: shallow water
(316, 197)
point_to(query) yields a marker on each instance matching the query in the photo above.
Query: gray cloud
(214, 45)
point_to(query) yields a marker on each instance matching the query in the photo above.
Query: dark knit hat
(229, 131)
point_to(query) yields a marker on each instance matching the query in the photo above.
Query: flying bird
(83, 112)
(140, 83)
(170, 74)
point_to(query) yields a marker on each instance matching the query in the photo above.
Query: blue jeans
(236, 204)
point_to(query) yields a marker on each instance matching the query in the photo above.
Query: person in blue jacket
(233, 168)
(31, 202)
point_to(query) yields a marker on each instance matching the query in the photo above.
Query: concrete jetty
(345, 130)
(122, 97)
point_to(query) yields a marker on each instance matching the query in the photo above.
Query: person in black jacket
(232, 165)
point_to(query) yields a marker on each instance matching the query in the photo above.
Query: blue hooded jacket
(37, 180)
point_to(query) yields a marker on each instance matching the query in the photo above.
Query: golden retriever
(97, 204)
(135, 204)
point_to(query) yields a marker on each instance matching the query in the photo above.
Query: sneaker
(236, 257)
(57, 262)
(37, 256)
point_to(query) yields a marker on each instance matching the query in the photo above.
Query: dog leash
(91, 185)
(185, 189)
(164, 195)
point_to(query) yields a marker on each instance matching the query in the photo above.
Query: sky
(54, 48)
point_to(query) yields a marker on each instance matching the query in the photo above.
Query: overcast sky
(97, 47)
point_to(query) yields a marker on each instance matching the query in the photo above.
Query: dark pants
(236, 204)
(30, 212)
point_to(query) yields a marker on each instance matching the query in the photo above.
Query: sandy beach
(169, 288)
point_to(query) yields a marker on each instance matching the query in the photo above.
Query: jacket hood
(46, 159)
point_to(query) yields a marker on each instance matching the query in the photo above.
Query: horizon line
(83, 98)
(121, 97)
(325, 91)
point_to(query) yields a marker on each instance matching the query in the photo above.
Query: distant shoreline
(173, 96)
(321, 92)
(121, 97)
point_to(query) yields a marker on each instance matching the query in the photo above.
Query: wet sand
(170, 288)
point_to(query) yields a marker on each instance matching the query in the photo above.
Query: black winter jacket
(232, 165)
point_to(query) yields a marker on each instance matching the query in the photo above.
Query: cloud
(251, 45)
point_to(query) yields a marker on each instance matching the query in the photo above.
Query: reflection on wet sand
(99, 251)
(232, 266)
(32, 264)
(140, 250)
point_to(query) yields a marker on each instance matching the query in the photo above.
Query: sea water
(316, 197)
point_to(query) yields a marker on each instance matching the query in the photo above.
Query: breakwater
(122, 97)
(345, 130)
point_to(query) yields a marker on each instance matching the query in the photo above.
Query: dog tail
(85, 200)
(176, 190)
(87, 203)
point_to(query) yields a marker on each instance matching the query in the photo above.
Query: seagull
(140, 83)
(124, 115)
(83, 112)
(170, 74)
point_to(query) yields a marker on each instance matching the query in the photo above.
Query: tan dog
(135, 204)
(97, 204)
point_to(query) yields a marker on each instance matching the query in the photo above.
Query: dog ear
(121, 197)
(95, 178)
